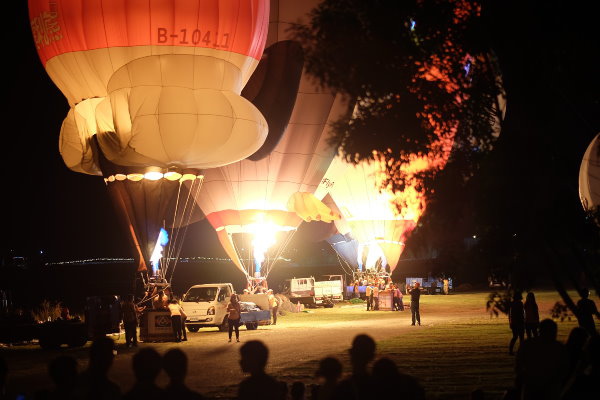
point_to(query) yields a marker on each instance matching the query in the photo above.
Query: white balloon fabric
(589, 176)
(158, 82)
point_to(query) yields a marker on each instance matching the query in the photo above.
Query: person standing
(356, 290)
(446, 285)
(586, 310)
(273, 305)
(376, 297)
(234, 313)
(415, 297)
(177, 315)
(369, 294)
(532, 316)
(516, 321)
(129, 316)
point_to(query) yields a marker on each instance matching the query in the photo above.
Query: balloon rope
(192, 194)
(286, 241)
(170, 243)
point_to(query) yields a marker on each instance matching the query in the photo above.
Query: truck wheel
(192, 328)
(48, 342)
(224, 326)
(251, 326)
(77, 341)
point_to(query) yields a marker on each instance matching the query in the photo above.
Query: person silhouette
(585, 383)
(360, 384)
(3, 376)
(94, 382)
(542, 364)
(390, 383)
(575, 345)
(586, 310)
(175, 365)
(532, 316)
(415, 298)
(329, 372)
(297, 391)
(259, 385)
(516, 321)
(63, 372)
(147, 364)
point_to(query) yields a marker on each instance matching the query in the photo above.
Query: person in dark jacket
(415, 297)
(532, 316)
(516, 321)
(586, 310)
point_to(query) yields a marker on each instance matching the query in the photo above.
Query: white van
(206, 306)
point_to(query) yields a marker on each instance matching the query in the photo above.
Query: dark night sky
(68, 215)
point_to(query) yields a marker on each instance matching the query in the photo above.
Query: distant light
(514, 235)
(41, 251)
(474, 236)
(413, 23)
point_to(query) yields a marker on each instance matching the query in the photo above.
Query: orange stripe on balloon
(64, 26)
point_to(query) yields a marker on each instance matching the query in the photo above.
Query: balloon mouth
(154, 174)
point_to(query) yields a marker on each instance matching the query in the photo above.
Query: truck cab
(206, 306)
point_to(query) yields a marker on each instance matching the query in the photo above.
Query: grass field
(464, 351)
(458, 349)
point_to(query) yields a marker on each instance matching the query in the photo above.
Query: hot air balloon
(589, 176)
(154, 89)
(255, 205)
(369, 214)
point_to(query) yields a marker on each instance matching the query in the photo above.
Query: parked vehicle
(314, 293)
(429, 285)
(102, 316)
(206, 306)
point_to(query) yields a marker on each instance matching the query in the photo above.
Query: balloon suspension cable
(345, 265)
(282, 247)
(174, 248)
(245, 266)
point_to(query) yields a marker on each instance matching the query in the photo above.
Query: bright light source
(474, 236)
(153, 175)
(264, 237)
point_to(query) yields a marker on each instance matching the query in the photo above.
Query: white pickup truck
(206, 306)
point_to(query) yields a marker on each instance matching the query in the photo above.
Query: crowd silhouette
(545, 368)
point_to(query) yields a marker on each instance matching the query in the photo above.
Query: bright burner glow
(264, 238)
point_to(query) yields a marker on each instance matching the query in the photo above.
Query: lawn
(462, 349)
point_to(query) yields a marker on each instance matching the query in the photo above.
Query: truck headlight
(210, 311)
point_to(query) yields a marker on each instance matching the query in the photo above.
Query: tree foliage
(423, 85)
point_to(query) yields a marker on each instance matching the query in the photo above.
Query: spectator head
(254, 356)
(146, 365)
(297, 390)
(63, 371)
(585, 293)
(234, 298)
(330, 369)
(417, 284)
(548, 329)
(362, 350)
(385, 369)
(102, 353)
(577, 338)
(530, 298)
(518, 296)
(175, 365)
